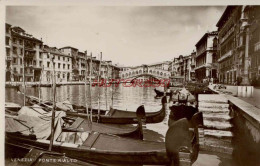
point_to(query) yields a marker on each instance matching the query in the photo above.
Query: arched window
(123, 75)
(126, 75)
(136, 72)
(157, 72)
(161, 74)
(151, 71)
(140, 71)
(164, 74)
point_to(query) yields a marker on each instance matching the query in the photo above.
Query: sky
(128, 35)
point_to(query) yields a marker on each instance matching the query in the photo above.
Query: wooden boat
(161, 93)
(84, 125)
(113, 150)
(114, 116)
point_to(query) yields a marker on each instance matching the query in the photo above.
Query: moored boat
(109, 149)
(161, 93)
(84, 125)
(114, 116)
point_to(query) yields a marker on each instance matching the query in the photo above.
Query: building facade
(232, 45)
(62, 65)
(206, 57)
(22, 51)
(253, 14)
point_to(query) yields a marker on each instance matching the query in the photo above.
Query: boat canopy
(34, 120)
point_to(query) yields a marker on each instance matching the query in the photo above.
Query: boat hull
(100, 156)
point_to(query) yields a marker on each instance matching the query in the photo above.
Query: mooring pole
(99, 84)
(54, 105)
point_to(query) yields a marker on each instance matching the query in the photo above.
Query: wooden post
(98, 84)
(24, 89)
(106, 84)
(54, 105)
(90, 85)
(40, 84)
(86, 101)
(112, 90)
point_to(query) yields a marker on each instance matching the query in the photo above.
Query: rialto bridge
(144, 72)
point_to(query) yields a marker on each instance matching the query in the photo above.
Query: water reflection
(124, 98)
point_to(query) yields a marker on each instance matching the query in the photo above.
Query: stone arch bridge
(144, 71)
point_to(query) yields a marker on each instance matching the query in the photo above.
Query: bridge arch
(145, 74)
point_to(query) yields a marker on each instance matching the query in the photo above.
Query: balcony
(257, 46)
(29, 47)
(8, 58)
(226, 55)
(212, 48)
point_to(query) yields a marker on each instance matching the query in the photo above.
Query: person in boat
(184, 97)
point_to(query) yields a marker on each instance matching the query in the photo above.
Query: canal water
(124, 98)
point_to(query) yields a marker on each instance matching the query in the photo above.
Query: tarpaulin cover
(34, 120)
(64, 105)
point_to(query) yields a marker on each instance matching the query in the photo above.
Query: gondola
(84, 125)
(113, 116)
(113, 150)
(161, 93)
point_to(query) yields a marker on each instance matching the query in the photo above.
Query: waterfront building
(182, 68)
(22, 49)
(206, 57)
(62, 65)
(108, 70)
(73, 52)
(233, 48)
(176, 69)
(81, 63)
(253, 14)
(8, 57)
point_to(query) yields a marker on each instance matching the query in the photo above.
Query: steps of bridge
(214, 98)
(216, 134)
(214, 110)
(213, 105)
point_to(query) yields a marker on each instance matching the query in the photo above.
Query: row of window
(57, 57)
(59, 65)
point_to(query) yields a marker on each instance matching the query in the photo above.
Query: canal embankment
(245, 126)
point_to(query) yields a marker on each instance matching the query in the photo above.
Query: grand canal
(125, 98)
